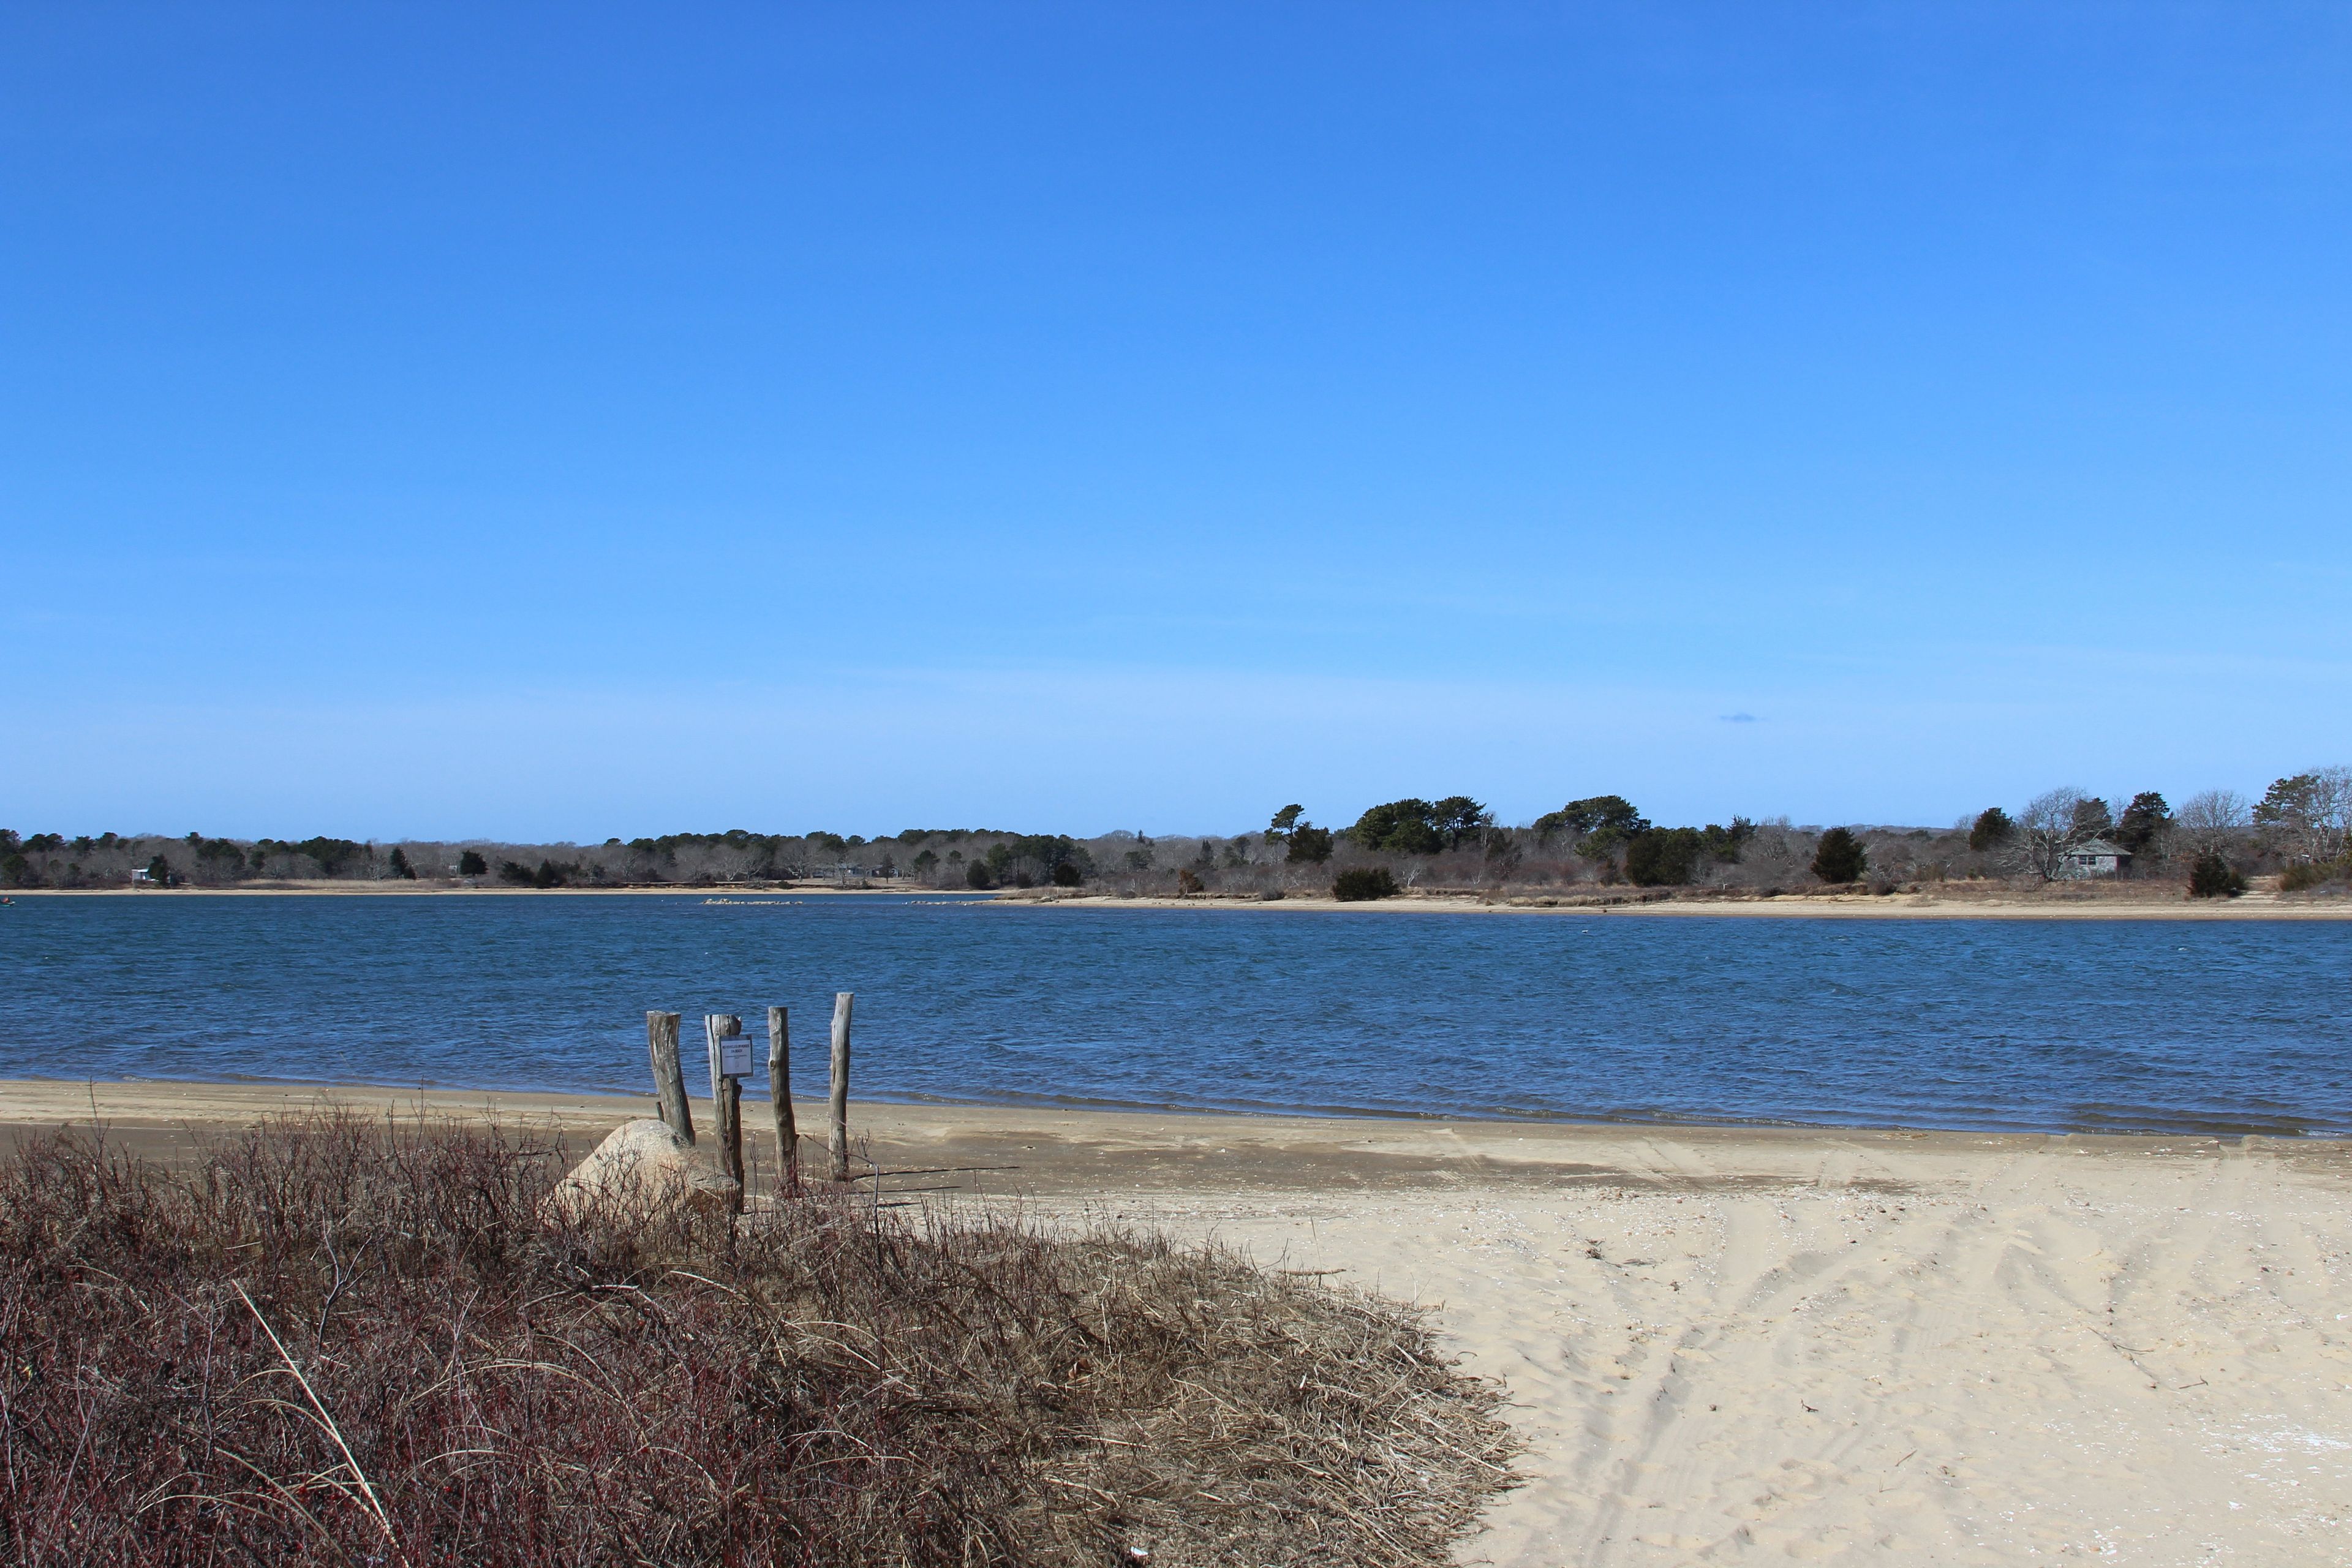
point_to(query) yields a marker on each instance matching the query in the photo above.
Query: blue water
(1968, 1024)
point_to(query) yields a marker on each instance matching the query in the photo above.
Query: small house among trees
(2095, 858)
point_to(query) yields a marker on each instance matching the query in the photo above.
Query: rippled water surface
(2076, 1024)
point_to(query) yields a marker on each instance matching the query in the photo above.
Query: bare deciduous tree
(2050, 825)
(2211, 819)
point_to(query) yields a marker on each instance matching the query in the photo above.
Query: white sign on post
(730, 1051)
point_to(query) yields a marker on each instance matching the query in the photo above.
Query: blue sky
(570, 421)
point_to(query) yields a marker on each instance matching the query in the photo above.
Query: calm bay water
(1972, 1024)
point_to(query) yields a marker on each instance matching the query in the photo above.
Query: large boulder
(643, 1168)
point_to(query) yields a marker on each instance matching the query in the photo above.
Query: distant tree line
(2297, 830)
(2211, 844)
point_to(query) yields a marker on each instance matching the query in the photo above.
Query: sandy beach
(2118, 902)
(2069, 904)
(1723, 1345)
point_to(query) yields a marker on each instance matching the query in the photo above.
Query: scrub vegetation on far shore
(349, 1341)
(2211, 846)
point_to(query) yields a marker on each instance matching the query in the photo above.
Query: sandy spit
(2105, 904)
(1823, 906)
(1725, 1345)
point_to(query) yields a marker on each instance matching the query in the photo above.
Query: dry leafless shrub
(354, 1342)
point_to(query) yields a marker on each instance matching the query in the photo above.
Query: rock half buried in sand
(642, 1168)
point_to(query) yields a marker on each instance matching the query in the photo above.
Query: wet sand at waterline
(1724, 1344)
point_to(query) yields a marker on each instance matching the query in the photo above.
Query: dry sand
(1950, 900)
(1729, 1345)
(2116, 902)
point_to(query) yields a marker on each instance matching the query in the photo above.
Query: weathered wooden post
(837, 1104)
(779, 1093)
(727, 1090)
(669, 1081)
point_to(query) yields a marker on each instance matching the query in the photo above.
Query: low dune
(1721, 1345)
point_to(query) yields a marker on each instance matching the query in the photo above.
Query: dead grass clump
(351, 1343)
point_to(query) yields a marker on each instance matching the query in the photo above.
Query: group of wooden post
(669, 1089)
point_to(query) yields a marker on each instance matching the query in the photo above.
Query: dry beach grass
(351, 1340)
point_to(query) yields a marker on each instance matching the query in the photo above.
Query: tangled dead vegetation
(354, 1342)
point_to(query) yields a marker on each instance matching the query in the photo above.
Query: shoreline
(1122, 1142)
(2005, 905)
(1730, 1344)
(35, 1098)
(1787, 906)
